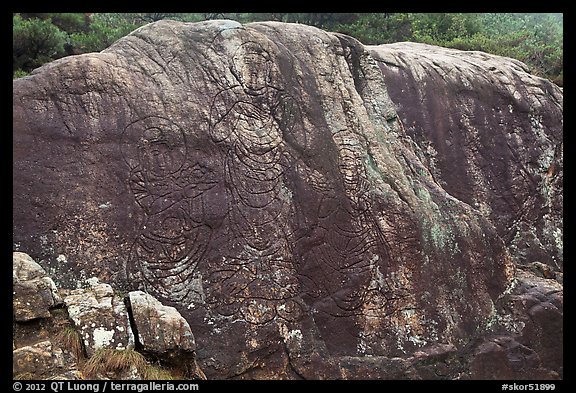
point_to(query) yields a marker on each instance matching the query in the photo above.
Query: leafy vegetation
(535, 39)
(35, 42)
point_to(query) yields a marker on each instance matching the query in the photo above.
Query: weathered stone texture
(534, 312)
(162, 333)
(60, 346)
(161, 329)
(258, 178)
(38, 360)
(34, 293)
(100, 316)
(491, 134)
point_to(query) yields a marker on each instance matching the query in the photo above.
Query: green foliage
(103, 31)
(70, 22)
(373, 29)
(19, 74)
(535, 39)
(35, 42)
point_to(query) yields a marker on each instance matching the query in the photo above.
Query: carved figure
(168, 186)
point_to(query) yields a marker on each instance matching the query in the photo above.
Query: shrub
(35, 42)
(19, 74)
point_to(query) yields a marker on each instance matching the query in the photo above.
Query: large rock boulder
(161, 329)
(259, 180)
(491, 134)
(34, 293)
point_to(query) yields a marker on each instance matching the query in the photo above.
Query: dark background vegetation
(535, 39)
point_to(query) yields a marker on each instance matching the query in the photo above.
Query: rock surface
(81, 337)
(534, 313)
(100, 317)
(34, 293)
(37, 359)
(161, 329)
(490, 133)
(162, 333)
(257, 178)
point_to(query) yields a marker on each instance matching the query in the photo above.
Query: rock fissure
(137, 344)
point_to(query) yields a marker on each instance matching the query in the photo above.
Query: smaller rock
(559, 277)
(161, 329)
(503, 357)
(69, 375)
(34, 293)
(540, 270)
(36, 361)
(490, 362)
(163, 333)
(436, 352)
(375, 367)
(101, 317)
(533, 312)
(436, 361)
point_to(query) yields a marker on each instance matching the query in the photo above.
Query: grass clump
(113, 361)
(70, 339)
(108, 362)
(153, 372)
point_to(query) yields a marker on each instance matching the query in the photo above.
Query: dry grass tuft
(107, 360)
(70, 339)
(159, 373)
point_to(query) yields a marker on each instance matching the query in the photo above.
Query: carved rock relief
(255, 191)
(270, 267)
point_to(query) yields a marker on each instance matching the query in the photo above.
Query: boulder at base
(100, 317)
(34, 293)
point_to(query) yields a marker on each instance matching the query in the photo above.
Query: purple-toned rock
(258, 179)
(533, 314)
(491, 135)
(504, 358)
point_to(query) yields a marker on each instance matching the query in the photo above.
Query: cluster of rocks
(526, 339)
(101, 317)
